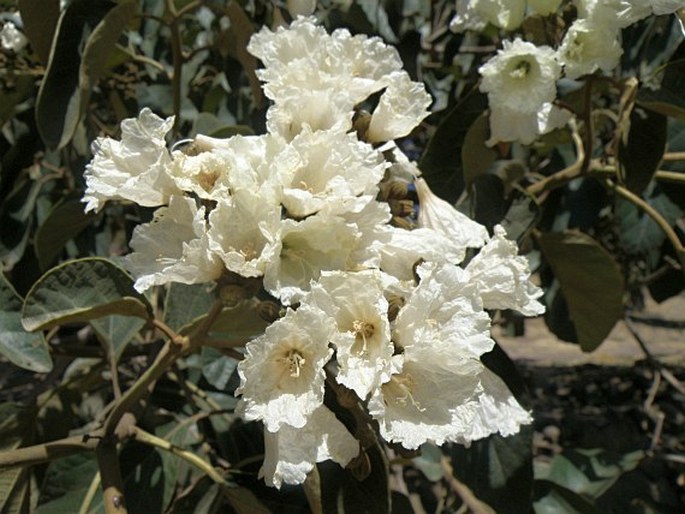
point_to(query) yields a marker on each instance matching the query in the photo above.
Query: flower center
(363, 330)
(294, 361)
(521, 70)
(399, 391)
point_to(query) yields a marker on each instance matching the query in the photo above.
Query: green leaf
(11, 97)
(476, 157)
(668, 99)
(63, 222)
(29, 351)
(552, 498)
(641, 149)
(430, 462)
(441, 162)
(79, 291)
(216, 367)
(115, 332)
(66, 483)
(185, 303)
(234, 324)
(85, 36)
(498, 470)
(341, 493)
(590, 281)
(40, 19)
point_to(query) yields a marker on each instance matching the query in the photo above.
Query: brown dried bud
(401, 207)
(396, 190)
(395, 303)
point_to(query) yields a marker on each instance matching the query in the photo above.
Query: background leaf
(590, 280)
(26, 350)
(82, 290)
(40, 20)
(115, 332)
(641, 150)
(441, 162)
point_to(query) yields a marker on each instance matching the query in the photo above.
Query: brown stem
(110, 476)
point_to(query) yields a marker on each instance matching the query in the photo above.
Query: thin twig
(475, 505)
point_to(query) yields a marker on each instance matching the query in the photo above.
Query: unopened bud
(269, 311)
(360, 466)
(401, 207)
(396, 190)
(301, 7)
(395, 303)
(360, 124)
(399, 222)
(232, 294)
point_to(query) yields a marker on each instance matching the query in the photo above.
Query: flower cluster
(377, 299)
(521, 79)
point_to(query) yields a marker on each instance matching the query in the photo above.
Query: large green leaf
(234, 324)
(590, 281)
(82, 290)
(63, 222)
(217, 368)
(341, 493)
(116, 331)
(86, 34)
(184, 303)
(29, 351)
(40, 19)
(668, 98)
(441, 162)
(66, 483)
(641, 149)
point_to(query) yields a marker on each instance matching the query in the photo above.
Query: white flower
(333, 167)
(135, 168)
(660, 7)
(435, 213)
(444, 312)
(11, 38)
(587, 46)
(439, 390)
(614, 13)
(503, 277)
(244, 232)
(204, 174)
(291, 453)
(362, 337)
(313, 110)
(475, 14)
(258, 163)
(512, 125)
(173, 247)
(308, 247)
(408, 247)
(401, 107)
(282, 375)
(521, 76)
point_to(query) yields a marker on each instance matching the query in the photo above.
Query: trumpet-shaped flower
(356, 303)
(476, 14)
(521, 76)
(245, 232)
(134, 169)
(333, 167)
(291, 453)
(435, 213)
(589, 45)
(174, 247)
(282, 375)
(306, 249)
(512, 125)
(503, 277)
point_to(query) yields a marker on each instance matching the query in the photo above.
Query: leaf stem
(564, 176)
(40, 453)
(144, 437)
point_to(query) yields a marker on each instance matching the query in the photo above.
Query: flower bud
(301, 7)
